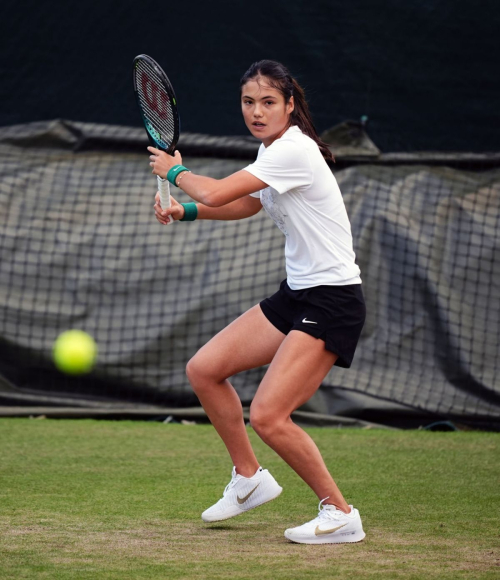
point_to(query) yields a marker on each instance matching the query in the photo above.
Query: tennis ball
(74, 352)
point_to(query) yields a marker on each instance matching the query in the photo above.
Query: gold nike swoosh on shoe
(318, 532)
(244, 499)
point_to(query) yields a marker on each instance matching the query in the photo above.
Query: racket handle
(164, 189)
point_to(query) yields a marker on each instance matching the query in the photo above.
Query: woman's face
(264, 110)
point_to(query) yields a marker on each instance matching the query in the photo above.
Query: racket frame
(163, 185)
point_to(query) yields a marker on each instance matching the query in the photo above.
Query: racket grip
(164, 189)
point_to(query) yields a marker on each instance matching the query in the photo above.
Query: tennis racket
(158, 106)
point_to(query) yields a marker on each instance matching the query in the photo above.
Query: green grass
(102, 500)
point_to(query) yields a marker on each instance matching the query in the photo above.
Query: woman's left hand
(162, 162)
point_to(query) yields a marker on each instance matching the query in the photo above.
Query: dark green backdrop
(424, 71)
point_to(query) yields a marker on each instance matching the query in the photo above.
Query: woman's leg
(297, 370)
(250, 341)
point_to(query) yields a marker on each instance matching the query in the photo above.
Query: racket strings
(156, 105)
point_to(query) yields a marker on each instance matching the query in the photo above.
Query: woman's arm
(208, 191)
(216, 193)
(236, 210)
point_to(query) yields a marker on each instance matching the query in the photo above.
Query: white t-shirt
(305, 202)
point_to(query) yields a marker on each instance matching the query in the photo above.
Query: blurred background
(407, 96)
(424, 72)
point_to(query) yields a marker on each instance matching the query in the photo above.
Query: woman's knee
(194, 370)
(201, 372)
(265, 421)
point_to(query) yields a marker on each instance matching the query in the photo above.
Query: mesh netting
(80, 248)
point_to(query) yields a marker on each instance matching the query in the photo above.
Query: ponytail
(280, 78)
(302, 118)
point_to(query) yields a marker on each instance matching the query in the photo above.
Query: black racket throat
(157, 103)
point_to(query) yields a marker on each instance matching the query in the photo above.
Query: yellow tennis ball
(74, 352)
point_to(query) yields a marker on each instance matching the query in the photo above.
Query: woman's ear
(290, 105)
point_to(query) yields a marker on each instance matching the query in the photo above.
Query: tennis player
(310, 324)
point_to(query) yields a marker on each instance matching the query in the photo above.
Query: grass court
(120, 499)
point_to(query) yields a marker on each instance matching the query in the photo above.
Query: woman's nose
(257, 112)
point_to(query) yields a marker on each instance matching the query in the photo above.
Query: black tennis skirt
(335, 314)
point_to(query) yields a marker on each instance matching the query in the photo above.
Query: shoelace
(233, 481)
(328, 514)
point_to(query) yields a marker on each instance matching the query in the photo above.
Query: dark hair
(280, 78)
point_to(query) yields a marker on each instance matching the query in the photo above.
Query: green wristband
(174, 171)
(190, 212)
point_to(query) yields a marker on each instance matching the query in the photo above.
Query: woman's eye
(269, 102)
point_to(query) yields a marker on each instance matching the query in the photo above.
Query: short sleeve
(284, 166)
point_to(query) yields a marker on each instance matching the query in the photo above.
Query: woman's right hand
(175, 211)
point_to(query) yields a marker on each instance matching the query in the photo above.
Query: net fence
(80, 248)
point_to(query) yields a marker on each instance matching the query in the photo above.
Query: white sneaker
(243, 494)
(332, 526)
